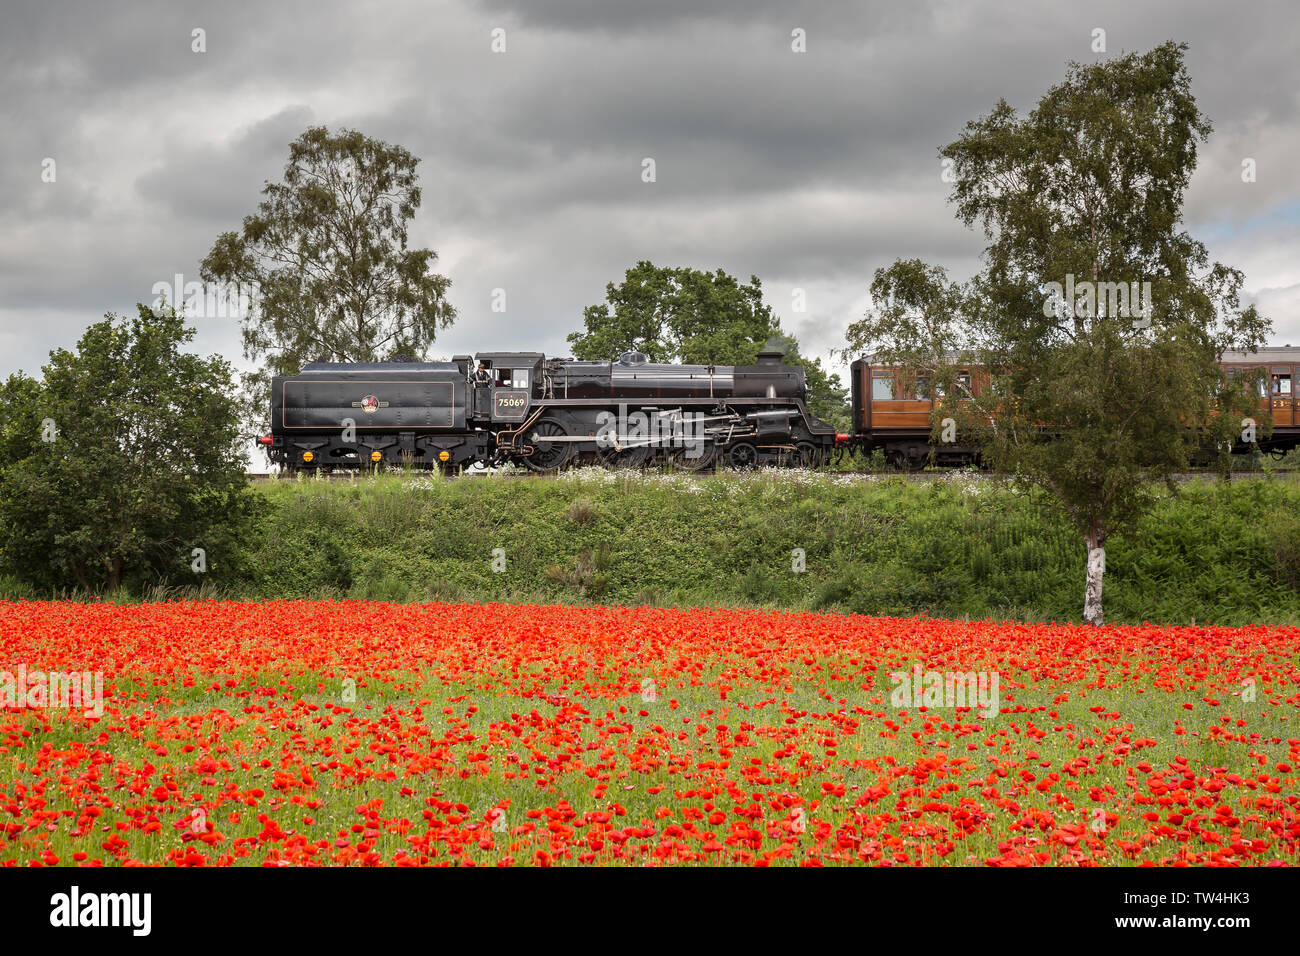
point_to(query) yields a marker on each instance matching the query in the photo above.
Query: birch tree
(326, 254)
(1099, 320)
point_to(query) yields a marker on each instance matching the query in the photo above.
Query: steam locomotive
(523, 408)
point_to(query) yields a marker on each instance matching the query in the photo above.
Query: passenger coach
(889, 415)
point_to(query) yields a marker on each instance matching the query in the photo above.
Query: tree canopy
(326, 254)
(122, 461)
(1099, 319)
(698, 318)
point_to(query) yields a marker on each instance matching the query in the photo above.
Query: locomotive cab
(516, 379)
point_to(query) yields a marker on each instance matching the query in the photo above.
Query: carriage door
(1281, 395)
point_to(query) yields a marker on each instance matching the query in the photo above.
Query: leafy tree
(20, 417)
(326, 253)
(698, 318)
(919, 323)
(121, 461)
(1095, 395)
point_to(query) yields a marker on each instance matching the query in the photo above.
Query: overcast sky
(809, 170)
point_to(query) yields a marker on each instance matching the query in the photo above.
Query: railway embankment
(958, 545)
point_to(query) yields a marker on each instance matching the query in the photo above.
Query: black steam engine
(520, 407)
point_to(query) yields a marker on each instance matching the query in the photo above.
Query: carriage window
(1250, 379)
(882, 386)
(1281, 384)
(963, 381)
(922, 387)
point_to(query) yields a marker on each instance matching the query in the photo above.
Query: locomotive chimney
(773, 352)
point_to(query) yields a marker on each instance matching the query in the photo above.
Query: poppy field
(363, 733)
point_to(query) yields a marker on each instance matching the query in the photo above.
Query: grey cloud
(809, 169)
(212, 186)
(675, 16)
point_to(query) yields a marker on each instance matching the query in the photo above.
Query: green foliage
(698, 318)
(144, 465)
(677, 315)
(1094, 398)
(1222, 552)
(915, 325)
(21, 418)
(326, 252)
(1284, 545)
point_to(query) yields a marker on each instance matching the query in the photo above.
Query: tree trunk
(1096, 568)
(81, 578)
(115, 573)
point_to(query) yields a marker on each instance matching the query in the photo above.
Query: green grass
(1223, 553)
